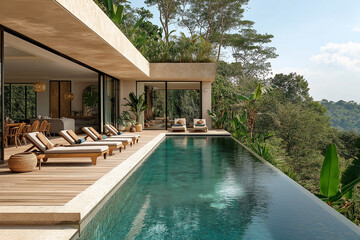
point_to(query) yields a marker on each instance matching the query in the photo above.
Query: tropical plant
(123, 118)
(137, 105)
(240, 127)
(116, 12)
(330, 191)
(218, 119)
(259, 146)
(352, 172)
(91, 100)
(250, 105)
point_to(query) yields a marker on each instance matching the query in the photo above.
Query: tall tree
(168, 10)
(251, 52)
(212, 19)
(293, 87)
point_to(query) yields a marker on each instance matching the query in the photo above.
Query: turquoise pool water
(212, 188)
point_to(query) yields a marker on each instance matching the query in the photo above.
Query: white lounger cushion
(67, 137)
(80, 149)
(128, 140)
(110, 129)
(121, 136)
(115, 134)
(107, 143)
(178, 127)
(90, 133)
(127, 135)
(37, 142)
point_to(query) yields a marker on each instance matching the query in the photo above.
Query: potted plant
(133, 126)
(91, 100)
(137, 106)
(123, 121)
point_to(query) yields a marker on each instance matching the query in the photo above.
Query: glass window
(155, 98)
(183, 101)
(111, 100)
(20, 101)
(1, 103)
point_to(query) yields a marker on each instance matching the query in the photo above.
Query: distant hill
(344, 115)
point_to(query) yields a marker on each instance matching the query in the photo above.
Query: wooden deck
(59, 180)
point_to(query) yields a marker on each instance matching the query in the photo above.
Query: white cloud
(339, 54)
(356, 29)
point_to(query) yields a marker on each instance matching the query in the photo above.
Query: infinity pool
(213, 188)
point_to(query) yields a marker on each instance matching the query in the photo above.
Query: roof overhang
(78, 29)
(81, 30)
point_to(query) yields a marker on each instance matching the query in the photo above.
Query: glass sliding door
(111, 100)
(183, 101)
(155, 98)
(20, 102)
(2, 95)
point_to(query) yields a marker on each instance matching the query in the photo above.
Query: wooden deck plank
(59, 180)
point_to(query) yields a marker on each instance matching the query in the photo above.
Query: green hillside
(344, 115)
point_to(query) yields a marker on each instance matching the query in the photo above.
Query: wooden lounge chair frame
(93, 156)
(111, 148)
(88, 135)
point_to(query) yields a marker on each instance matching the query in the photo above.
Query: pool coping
(79, 211)
(303, 190)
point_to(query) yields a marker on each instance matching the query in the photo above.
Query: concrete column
(206, 102)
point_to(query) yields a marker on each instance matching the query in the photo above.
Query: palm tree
(137, 105)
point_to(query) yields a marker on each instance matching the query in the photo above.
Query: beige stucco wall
(126, 87)
(183, 71)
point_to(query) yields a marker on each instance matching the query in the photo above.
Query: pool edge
(316, 200)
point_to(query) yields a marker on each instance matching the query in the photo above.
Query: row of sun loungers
(180, 125)
(102, 145)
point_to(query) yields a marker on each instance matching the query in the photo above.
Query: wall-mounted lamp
(69, 96)
(39, 87)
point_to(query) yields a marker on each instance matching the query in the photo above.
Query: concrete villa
(66, 64)
(72, 47)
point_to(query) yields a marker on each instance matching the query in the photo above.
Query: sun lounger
(113, 132)
(44, 146)
(95, 136)
(200, 125)
(179, 125)
(73, 139)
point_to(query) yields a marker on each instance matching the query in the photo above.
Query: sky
(319, 39)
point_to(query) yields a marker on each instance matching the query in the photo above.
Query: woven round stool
(22, 162)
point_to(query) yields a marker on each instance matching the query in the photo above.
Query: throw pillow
(80, 140)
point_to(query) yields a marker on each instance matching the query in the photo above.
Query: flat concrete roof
(82, 31)
(78, 29)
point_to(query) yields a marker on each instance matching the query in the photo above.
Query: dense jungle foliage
(343, 115)
(273, 115)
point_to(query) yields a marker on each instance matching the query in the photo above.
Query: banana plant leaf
(329, 177)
